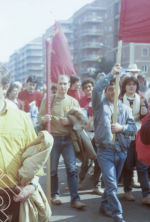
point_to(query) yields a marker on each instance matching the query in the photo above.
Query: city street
(133, 211)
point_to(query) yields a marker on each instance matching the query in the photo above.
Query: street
(133, 211)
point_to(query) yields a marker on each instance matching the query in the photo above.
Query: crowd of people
(82, 127)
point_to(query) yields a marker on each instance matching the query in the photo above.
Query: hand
(65, 121)
(25, 193)
(116, 70)
(137, 117)
(142, 101)
(116, 128)
(46, 118)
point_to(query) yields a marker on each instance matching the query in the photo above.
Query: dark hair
(11, 87)
(112, 82)
(86, 81)
(126, 81)
(141, 76)
(32, 79)
(74, 79)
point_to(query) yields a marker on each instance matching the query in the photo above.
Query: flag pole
(119, 52)
(48, 111)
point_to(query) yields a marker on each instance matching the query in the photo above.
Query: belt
(62, 137)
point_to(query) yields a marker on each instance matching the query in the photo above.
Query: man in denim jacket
(111, 155)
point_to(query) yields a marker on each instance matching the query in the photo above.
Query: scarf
(134, 103)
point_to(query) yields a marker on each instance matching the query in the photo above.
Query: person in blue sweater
(111, 155)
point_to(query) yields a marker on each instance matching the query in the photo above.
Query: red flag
(61, 61)
(135, 21)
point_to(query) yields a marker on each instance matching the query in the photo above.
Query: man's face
(110, 93)
(131, 87)
(134, 73)
(77, 85)
(87, 88)
(140, 80)
(63, 86)
(30, 87)
(14, 93)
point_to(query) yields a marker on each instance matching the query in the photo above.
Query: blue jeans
(111, 164)
(142, 170)
(63, 145)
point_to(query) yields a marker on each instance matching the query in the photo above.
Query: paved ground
(133, 211)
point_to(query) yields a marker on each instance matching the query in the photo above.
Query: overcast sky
(23, 20)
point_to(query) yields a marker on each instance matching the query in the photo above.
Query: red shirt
(75, 93)
(84, 101)
(29, 97)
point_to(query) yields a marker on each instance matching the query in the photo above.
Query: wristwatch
(35, 185)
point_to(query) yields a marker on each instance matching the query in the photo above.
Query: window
(110, 28)
(94, 14)
(145, 68)
(116, 8)
(145, 52)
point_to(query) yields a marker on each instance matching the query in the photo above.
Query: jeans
(97, 169)
(63, 145)
(142, 170)
(111, 164)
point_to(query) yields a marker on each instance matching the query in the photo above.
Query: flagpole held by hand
(117, 87)
(48, 111)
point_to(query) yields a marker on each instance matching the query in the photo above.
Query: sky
(23, 20)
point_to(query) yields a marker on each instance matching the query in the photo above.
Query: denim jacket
(103, 115)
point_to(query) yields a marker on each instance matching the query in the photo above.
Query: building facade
(88, 37)
(27, 61)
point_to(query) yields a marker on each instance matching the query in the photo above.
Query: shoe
(56, 200)
(129, 196)
(146, 200)
(98, 190)
(136, 185)
(77, 204)
(66, 188)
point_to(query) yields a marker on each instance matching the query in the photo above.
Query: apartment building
(88, 37)
(27, 61)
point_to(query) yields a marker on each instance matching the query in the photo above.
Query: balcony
(91, 45)
(92, 19)
(89, 58)
(91, 32)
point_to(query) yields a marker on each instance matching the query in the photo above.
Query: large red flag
(135, 21)
(61, 60)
